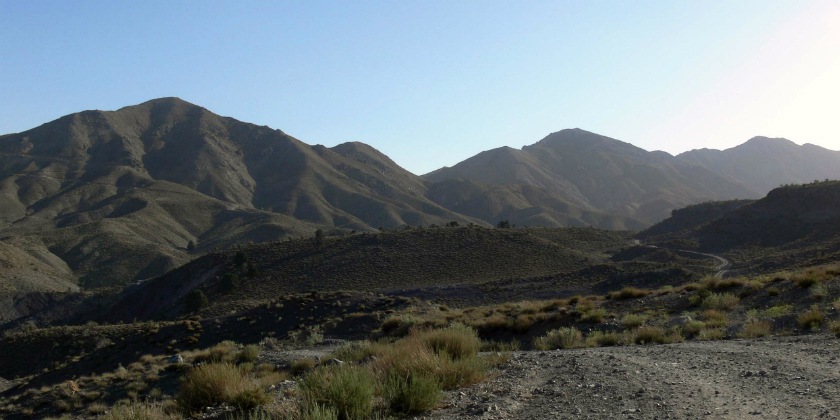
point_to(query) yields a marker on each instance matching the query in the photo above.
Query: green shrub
(633, 320)
(693, 327)
(777, 311)
(712, 334)
(349, 390)
(454, 374)
(319, 412)
(594, 315)
(411, 394)
(720, 301)
(562, 338)
(217, 383)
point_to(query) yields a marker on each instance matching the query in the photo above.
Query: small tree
(319, 237)
(196, 299)
(239, 259)
(503, 224)
(190, 246)
(230, 282)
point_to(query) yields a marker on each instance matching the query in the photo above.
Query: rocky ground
(779, 378)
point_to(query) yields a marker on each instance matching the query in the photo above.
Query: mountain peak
(769, 141)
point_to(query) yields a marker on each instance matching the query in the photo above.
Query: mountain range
(101, 198)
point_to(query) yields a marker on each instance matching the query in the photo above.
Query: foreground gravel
(779, 378)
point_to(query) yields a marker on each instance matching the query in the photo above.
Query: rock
(174, 359)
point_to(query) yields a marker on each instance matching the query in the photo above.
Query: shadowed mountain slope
(408, 259)
(793, 226)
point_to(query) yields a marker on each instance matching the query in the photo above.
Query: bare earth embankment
(781, 378)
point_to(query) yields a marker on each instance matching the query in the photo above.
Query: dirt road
(778, 378)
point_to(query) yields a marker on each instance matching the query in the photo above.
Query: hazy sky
(430, 83)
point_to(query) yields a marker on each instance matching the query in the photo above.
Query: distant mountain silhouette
(764, 163)
(595, 175)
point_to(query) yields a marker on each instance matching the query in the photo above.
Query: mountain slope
(119, 196)
(595, 173)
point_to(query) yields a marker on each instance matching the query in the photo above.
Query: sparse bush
(693, 327)
(217, 383)
(755, 328)
(457, 341)
(714, 318)
(712, 334)
(594, 315)
(805, 281)
(410, 394)
(249, 354)
(650, 335)
(301, 366)
(349, 390)
(398, 326)
(777, 311)
(606, 339)
(811, 319)
(562, 338)
(721, 302)
(629, 292)
(633, 320)
(834, 327)
(819, 291)
(138, 411)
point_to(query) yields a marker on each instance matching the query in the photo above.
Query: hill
(381, 262)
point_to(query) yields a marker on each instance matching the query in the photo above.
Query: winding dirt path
(779, 378)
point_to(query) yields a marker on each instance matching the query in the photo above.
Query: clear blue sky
(430, 83)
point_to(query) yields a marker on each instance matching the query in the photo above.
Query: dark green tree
(196, 299)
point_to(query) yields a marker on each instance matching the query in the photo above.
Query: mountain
(593, 175)
(764, 163)
(103, 198)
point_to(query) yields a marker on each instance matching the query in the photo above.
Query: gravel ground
(779, 378)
